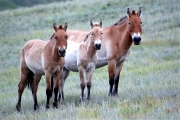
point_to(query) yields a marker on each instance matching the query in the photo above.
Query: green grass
(149, 82)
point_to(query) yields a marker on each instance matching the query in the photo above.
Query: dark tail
(30, 79)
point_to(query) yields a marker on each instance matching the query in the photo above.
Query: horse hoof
(81, 100)
(110, 94)
(36, 107)
(55, 104)
(88, 99)
(18, 107)
(115, 94)
(47, 106)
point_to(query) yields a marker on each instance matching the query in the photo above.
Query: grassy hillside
(13, 4)
(149, 86)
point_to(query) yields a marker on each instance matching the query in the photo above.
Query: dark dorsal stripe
(120, 21)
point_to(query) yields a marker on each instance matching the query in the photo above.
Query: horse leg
(89, 75)
(22, 85)
(58, 78)
(34, 90)
(48, 88)
(82, 84)
(116, 81)
(61, 88)
(111, 71)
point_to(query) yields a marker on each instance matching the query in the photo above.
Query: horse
(115, 47)
(43, 58)
(82, 58)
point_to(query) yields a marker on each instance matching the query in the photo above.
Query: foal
(86, 58)
(43, 58)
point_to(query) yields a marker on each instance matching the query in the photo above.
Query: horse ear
(140, 12)
(128, 12)
(91, 24)
(55, 27)
(65, 26)
(100, 23)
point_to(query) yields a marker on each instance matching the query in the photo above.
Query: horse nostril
(98, 46)
(62, 52)
(137, 39)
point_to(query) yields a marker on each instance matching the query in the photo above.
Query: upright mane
(59, 27)
(121, 20)
(85, 39)
(52, 36)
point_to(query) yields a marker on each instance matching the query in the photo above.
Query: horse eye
(92, 34)
(129, 23)
(101, 33)
(141, 22)
(55, 38)
(66, 37)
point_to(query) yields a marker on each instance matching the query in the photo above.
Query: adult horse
(43, 58)
(82, 58)
(116, 42)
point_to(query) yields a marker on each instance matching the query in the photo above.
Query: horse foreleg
(48, 88)
(116, 81)
(82, 84)
(34, 90)
(58, 79)
(111, 71)
(89, 75)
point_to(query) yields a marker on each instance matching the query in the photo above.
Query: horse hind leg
(61, 87)
(25, 72)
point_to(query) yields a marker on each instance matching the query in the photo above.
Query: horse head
(96, 33)
(60, 36)
(134, 22)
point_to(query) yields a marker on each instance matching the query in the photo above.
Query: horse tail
(52, 83)
(30, 79)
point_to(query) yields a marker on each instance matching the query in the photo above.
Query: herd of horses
(78, 51)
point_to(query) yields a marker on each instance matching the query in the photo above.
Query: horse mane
(96, 24)
(133, 12)
(85, 39)
(59, 27)
(121, 20)
(52, 36)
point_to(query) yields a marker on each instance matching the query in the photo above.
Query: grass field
(149, 86)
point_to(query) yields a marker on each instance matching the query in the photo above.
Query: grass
(149, 82)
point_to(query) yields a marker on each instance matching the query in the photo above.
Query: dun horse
(43, 58)
(82, 58)
(116, 42)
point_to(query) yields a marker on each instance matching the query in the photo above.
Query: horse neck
(53, 50)
(91, 51)
(126, 40)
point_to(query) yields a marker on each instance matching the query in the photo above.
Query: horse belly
(102, 58)
(101, 63)
(70, 57)
(35, 66)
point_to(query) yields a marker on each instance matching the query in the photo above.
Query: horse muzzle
(137, 40)
(98, 46)
(62, 52)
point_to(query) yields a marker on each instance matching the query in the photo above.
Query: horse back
(77, 35)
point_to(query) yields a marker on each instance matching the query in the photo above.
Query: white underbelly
(70, 57)
(35, 65)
